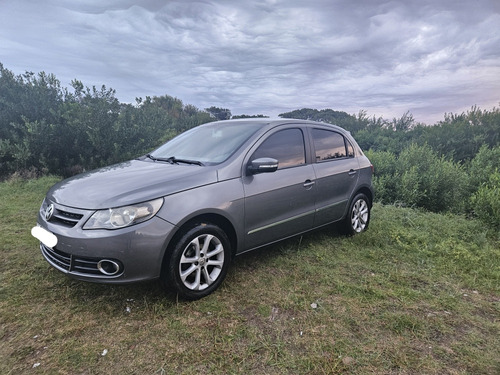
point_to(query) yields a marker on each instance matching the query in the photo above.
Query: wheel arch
(208, 218)
(366, 191)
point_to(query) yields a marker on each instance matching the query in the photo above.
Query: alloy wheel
(201, 262)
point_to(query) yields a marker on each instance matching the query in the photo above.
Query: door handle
(309, 184)
(352, 172)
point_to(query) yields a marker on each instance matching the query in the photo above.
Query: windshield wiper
(174, 160)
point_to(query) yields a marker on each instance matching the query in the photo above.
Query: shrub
(483, 165)
(430, 181)
(384, 181)
(419, 178)
(486, 201)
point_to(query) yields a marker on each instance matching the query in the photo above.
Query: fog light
(108, 267)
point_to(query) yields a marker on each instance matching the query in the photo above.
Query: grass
(418, 293)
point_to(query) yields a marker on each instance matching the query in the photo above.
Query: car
(181, 213)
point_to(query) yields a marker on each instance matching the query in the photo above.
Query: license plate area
(44, 236)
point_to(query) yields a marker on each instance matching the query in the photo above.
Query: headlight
(120, 217)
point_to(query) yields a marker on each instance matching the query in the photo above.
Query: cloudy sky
(268, 56)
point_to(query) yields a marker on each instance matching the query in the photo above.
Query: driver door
(279, 204)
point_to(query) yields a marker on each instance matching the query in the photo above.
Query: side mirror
(263, 165)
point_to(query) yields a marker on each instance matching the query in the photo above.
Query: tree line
(452, 165)
(46, 128)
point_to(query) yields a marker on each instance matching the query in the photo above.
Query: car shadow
(122, 299)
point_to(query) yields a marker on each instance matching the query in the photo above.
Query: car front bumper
(126, 255)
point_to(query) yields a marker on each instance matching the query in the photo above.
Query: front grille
(68, 219)
(58, 258)
(73, 264)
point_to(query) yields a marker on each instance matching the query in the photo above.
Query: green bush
(486, 201)
(419, 178)
(431, 181)
(486, 161)
(384, 181)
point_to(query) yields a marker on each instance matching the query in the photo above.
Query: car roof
(270, 122)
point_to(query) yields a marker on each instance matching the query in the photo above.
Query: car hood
(128, 183)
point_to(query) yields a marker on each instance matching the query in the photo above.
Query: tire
(358, 216)
(198, 262)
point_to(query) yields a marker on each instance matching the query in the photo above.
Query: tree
(404, 123)
(29, 109)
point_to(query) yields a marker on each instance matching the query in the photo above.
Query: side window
(286, 146)
(330, 145)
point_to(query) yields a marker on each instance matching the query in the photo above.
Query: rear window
(330, 145)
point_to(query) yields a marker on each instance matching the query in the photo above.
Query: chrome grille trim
(65, 218)
(75, 265)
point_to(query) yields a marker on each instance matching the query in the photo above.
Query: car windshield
(209, 144)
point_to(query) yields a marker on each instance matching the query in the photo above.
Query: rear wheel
(198, 262)
(358, 216)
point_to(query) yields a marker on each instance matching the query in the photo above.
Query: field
(418, 293)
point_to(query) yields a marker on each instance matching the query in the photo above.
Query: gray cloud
(385, 57)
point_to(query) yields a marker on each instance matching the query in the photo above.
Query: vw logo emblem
(49, 212)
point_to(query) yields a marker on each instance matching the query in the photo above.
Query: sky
(426, 57)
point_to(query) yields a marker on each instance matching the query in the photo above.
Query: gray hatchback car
(182, 212)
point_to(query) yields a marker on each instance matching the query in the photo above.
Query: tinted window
(286, 146)
(328, 145)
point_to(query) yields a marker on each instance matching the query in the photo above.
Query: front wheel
(198, 262)
(358, 216)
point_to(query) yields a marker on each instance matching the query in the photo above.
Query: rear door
(337, 172)
(281, 203)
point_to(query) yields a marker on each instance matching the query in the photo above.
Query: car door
(279, 204)
(337, 172)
